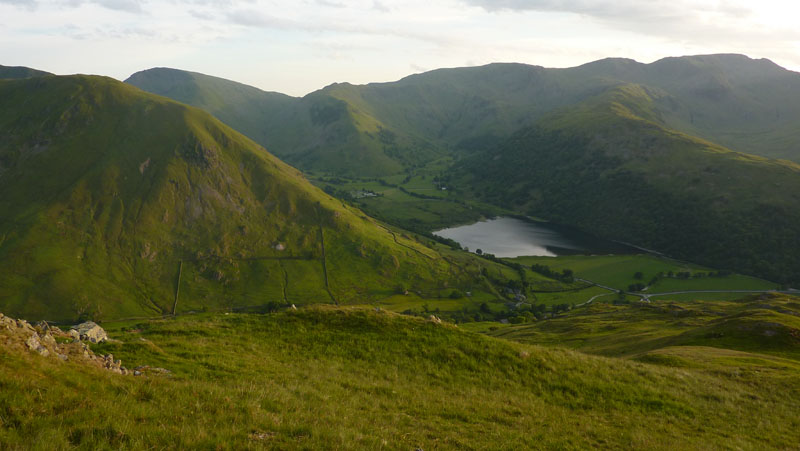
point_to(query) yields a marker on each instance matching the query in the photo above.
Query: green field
(617, 271)
(338, 378)
(437, 210)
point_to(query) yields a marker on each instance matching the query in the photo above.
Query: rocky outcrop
(52, 342)
(89, 331)
(435, 319)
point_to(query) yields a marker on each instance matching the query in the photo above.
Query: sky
(299, 46)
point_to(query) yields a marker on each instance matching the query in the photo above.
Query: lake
(512, 237)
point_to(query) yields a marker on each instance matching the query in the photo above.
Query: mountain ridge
(116, 200)
(723, 98)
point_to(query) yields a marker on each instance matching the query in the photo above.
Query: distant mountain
(748, 105)
(14, 72)
(120, 203)
(318, 132)
(612, 166)
(751, 106)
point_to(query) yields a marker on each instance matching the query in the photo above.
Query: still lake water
(512, 237)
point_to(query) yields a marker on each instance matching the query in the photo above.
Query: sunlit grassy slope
(763, 324)
(359, 379)
(117, 202)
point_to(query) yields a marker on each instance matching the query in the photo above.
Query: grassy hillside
(119, 203)
(359, 379)
(610, 166)
(766, 325)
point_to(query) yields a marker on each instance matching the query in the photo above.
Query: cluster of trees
(333, 180)
(636, 287)
(566, 275)
(338, 193)
(674, 275)
(694, 275)
(526, 313)
(418, 195)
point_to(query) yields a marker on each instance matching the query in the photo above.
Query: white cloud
(301, 45)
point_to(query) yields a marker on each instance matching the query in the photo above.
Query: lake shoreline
(512, 236)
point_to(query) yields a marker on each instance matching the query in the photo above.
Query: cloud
(330, 4)
(255, 18)
(131, 6)
(652, 9)
(381, 7)
(29, 4)
(718, 23)
(653, 15)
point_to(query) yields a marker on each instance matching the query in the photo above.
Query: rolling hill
(119, 203)
(762, 330)
(348, 378)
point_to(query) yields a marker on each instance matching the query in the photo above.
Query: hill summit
(121, 203)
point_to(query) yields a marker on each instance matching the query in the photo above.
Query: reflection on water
(511, 237)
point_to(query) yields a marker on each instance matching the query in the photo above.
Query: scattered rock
(144, 166)
(7, 323)
(524, 355)
(24, 325)
(293, 307)
(146, 369)
(90, 331)
(47, 339)
(42, 326)
(435, 319)
(19, 335)
(259, 436)
(34, 344)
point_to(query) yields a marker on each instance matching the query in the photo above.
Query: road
(646, 296)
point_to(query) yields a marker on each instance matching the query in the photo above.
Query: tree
(636, 287)
(478, 251)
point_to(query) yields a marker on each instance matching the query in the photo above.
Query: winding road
(646, 296)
